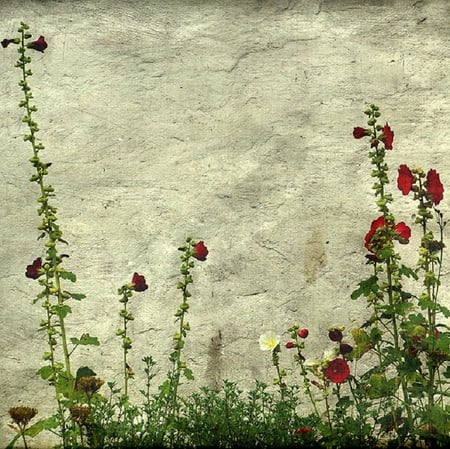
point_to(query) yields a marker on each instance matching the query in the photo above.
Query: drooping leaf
(85, 339)
(85, 371)
(366, 287)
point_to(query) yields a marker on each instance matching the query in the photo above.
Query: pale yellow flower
(269, 341)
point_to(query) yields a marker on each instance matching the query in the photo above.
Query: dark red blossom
(34, 270)
(289, 345)
(434, 186)
(138, 282)
(6, 42)
(201, 251)
(335, 334)
(388, 136)
(402, 230)
(359, 133)
(405, 179)
(337, 371)
(38, 45)
(345, 348)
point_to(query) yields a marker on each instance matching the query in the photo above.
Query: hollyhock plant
(138, 282)
(35, 269)
(405, 179)
(434, 186)
(337, 371)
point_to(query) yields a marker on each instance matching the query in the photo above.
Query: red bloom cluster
(433, 185)
(38, 45)
(402, 230)
(138, 282)
(34, 270)
(201, 251)
(387, 135)
(337, 371)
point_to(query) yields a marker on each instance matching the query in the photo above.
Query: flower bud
(303, 333)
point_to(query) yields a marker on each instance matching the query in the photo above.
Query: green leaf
(45, 372)
(85, 339)
(84, 371)
(62, 310)
(188, 374)
(68, 275)
(77, 296)
(44, 424)
(408, 272)
(366, 287)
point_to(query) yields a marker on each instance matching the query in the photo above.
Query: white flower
(269, 341)
(328, 355)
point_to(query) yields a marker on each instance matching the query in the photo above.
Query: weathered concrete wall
(227, 121)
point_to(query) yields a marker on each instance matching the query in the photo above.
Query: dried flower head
(22, 415)
(89, 384)
(80, 413)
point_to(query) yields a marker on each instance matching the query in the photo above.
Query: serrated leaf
(45, 372)
(62, 310)
(77, 296)
(44, 424)
(68, 275)
(366, 287)
(85, 339)
(408, 272)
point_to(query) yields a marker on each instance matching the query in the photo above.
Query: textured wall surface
(229, 121)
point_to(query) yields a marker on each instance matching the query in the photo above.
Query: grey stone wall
(229, 121)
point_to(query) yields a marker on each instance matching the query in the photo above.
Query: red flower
(201, 251)
(434, 186)
(403, 231)
(6, 42)
(39, 45)
(34, 270)
(303, 333)
(388, 136)
(303, 431)
(138, 283)
(289, 345)
(337, 371)
(359, 133)
(405, 179)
